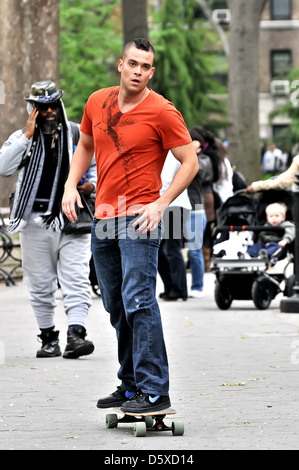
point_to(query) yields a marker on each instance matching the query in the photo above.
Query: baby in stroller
(244, 276)
(270, 242)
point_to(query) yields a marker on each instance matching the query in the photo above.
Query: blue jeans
(270, 247)
(126, 267)
(197, 224)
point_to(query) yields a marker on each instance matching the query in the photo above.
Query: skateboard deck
(143, 422)
(167, 411)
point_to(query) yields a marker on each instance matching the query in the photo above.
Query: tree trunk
(134, 17)
(243, 102)
(29, 40)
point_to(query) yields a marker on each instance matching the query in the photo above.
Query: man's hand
(70, 198)
(249, 189)
(150, 216)
(30, 124)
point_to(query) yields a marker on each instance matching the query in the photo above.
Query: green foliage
(184, 70)
(90, 44)
(91, 40)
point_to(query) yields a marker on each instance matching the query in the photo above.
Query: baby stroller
(238, 276)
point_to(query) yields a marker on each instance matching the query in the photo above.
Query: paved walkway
(234, 379)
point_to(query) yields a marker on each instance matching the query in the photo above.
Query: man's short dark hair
(139, 43)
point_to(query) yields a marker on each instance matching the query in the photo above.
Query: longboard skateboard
(144, 422)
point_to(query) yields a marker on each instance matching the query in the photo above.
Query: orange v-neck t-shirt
(130, 148)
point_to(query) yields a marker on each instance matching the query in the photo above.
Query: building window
(216, 4)
(281, 64)
(281, 9)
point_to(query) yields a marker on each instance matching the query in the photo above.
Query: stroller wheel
(261, 293)
(290, 283)
(223, 296)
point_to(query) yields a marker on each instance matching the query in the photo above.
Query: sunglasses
(46, 106)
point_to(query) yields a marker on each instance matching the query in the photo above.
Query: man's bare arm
(79, 166)
(151, 214)
(186, 155)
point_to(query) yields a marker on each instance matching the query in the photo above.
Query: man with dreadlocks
(42, 152)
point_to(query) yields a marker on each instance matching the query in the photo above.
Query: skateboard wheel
(111, 421)
(149, 421)
(177, 428)
(140, 429)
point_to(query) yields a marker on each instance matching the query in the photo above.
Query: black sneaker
(146, 403)
(116, 399)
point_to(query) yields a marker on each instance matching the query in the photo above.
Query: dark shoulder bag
(84, 220)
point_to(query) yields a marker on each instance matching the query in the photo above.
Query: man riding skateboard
(131, 129)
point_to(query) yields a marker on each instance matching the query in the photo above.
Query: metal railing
(10, 257)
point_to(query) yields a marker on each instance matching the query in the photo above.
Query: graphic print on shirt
(116, 120)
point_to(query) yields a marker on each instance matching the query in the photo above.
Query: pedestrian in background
(171, 263)
(209, 169)
(202, 180)
(41, 153)
(224, 185)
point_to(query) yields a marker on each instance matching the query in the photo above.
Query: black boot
(77, 345)
(50, 344)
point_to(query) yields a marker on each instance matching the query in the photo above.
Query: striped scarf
(30, 176)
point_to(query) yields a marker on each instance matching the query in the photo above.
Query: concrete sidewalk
(234, 379)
